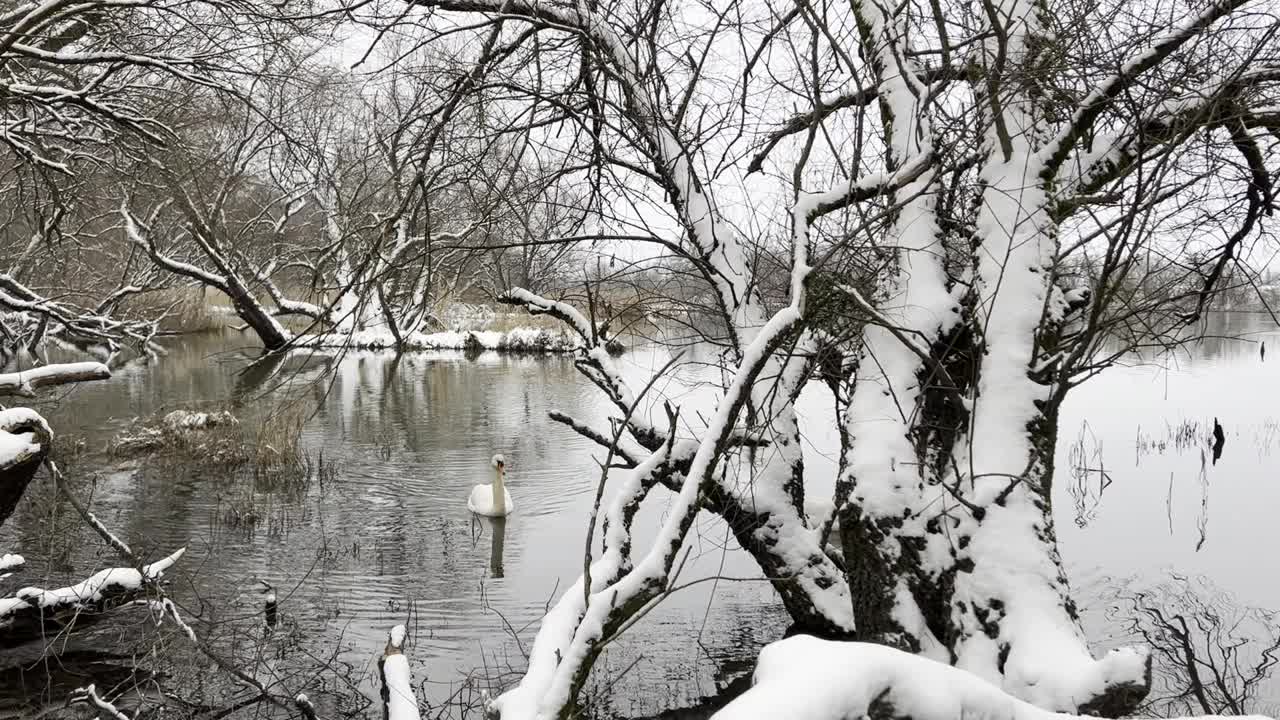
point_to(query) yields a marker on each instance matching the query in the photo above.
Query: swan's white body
(492, 500)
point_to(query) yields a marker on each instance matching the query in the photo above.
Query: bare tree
(89, 88)
(972, 203)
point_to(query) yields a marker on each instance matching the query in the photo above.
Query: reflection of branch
(1212, 653)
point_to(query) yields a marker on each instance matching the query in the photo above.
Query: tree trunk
(802, 575)
(257, 317)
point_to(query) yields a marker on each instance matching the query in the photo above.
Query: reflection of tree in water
(1210, 654)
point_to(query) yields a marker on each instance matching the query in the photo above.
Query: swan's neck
(499, 491)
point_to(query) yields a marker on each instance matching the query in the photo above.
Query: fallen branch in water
(33, 613)
(27, 382)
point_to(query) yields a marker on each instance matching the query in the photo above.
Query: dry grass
(186, 310)
(270, 444)
(508, 321)
(274, 447)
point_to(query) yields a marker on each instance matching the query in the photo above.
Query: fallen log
(27, 382)
(34, 613)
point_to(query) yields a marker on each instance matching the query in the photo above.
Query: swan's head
(499, 462)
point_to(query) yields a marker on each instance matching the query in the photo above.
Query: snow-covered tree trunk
(225, 277)
(983, 586)
(24, 443)
(960, 306)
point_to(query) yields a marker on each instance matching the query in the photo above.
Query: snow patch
(179, 420)
(524, 339)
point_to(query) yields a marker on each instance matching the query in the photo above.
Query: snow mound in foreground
(804, 678)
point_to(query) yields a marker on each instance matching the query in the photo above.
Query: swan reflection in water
(497, 528)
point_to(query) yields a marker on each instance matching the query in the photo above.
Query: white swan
(492, 500)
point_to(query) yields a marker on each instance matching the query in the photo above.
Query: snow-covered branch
(225, 277)
(1115, 153)
(815, 205)
(89, 329)
(824, 109)
(1057, 150)
(139, 234)
(25, 383)
(562, 311)
(28, 614)
(287, 306)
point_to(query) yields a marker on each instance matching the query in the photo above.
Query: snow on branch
(8, 562)
(91, 696)
(1113, 155)
(27, 382)
(815, 205)
(582, 622)
(826, 108)
(628, 455)
(595, 363)
(564, 312)
(140, 235)
(804, 678)
(713, 245)
(564, 621)
(287, 306)
(77, 325)
(23, 616)
(1058, 149)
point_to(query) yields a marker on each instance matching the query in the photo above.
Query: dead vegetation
(270, 443)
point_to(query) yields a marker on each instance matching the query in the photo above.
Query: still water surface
(387, 538)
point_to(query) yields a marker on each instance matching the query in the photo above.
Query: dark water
(386, 537)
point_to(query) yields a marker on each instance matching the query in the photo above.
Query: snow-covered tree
(974, 202)
(88, 88)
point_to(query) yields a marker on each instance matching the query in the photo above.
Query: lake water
(385, 536)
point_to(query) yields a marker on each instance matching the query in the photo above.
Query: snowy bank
(804, 678)
(516, 340)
